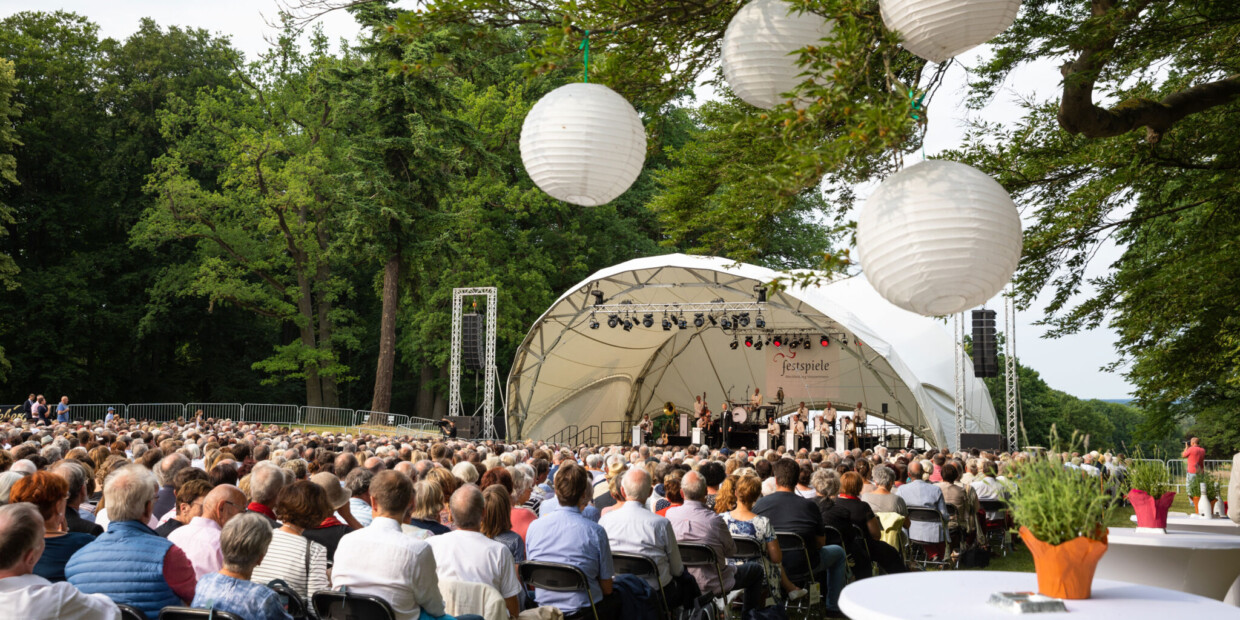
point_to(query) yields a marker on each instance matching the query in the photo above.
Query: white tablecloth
(1180, 522)
(1204, 564)
(962, 595)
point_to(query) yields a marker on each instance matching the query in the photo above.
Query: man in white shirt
(633, 528)
(200, 538)
(26, 595)
(465, 554)
(381, 560)
(988, 488)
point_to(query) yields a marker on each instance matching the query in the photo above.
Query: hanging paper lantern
(939, 238)
(940, 29)
(758, 46)
(583, 143)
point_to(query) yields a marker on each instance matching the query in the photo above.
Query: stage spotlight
(682, 324)
(806, 344)
(758, 345)
(648, 321)
(777, 341)
(593, 322)
(698, 321)
(628, 325)
(824, 341)
(761, 290)
(749, 341)
(713, 322)
(727, 324)
(760, 322)
(744, 320)
(613, 320)
(734, 344)
(792, 344)
(598, 297)
(667, 324)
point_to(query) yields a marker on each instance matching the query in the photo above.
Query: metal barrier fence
(326, 416)
(219, 411)
(155, 412)
(95, 412)
(1178, 469)
(266, 413)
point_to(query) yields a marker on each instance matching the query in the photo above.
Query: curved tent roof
(566, 373)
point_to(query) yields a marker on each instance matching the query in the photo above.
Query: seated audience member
(427, 502)
(331, 530)
(566, 536)
(714, 474)
(7, 480)
(358, 485)
(861, 516)
(467, 554)
(182, 478)
(404, 573)
(523, 484)
(923, 494)
(632, 528)
(200, 538)
(299, 561)
(78, 479)
(48, 493)
(24, 594)
(189, 505)
(266, 481)
(964, 498)
(243, 543)
(166, 472)
(497, 521)
(130, 563)
(693, 522)
(672, 496)
(742, 521)
(988, 488)
(789, 512)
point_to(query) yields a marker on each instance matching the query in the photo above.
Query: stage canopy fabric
(566, 373)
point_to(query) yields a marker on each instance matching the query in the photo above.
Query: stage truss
(490, 373)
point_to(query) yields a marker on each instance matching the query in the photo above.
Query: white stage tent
(567, 374)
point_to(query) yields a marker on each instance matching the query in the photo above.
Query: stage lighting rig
(612, 321)
(761, 291)
(681, 323)
(593, 322)
(667, 324)
(744, 319)
(598, 297)
(628, 325)
(824, 340)
(698, 321)
(648, 321)
(758, 345)
(749, 341)
(777, 341)
(734, 344)
(713, 322)
(726, 323)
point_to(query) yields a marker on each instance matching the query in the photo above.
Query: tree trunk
(426, 396)
(305, 307)
(322, 277)
(387, 336)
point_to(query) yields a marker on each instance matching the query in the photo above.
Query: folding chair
(129, 612)
(994, 531)
(293, 603)
(791, 544)
(193, 613)
(918, 514)
(343, 605)
(557, 578)
(747, 549)
(642, 567)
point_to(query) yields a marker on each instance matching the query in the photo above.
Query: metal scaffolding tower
(489, 371)
(1010, 378)
(958, 328)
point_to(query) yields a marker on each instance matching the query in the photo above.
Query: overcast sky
(1070, 364)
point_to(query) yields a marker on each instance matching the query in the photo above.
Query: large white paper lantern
(758, 62)
(583, 143)
(940, 29)
(939, 238)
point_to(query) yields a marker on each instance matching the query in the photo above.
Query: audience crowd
(211, 513)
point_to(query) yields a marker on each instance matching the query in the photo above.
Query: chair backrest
(481, 599)
(336, 605)
(791, 543)
(833, 536)
(129, 612)
(553, 576)
(991, 505)
(747, 548)
(293, 603)
(192, 613)
(634, 564)
(693, 554)
(918, 514)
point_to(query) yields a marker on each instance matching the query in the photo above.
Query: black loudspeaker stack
(987, 442)
(985, 345)
(473, 341)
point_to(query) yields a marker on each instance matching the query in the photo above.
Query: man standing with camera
(1195, 456)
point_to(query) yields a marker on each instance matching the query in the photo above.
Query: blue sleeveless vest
(126, 563)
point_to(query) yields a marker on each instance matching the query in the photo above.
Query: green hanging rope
(585, 45)
(916, 104)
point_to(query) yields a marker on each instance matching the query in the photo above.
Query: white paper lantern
(940, 29)
(939, 238)
(758, 62)
(583, 143)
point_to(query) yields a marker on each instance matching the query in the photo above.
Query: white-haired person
(24, 594)
(243, 543)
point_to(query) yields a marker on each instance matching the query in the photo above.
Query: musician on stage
(772, 429)
(647, 427)
(850, 433)
(779, 396)
(798, 428)
(859, 418)
(756, 399)
(698, 405)
(707, 424)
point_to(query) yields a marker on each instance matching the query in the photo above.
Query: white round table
(1180, 522)
(957, 595)
(1204, 564)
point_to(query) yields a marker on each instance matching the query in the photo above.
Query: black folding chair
(293, 603)
(920, 555)
(642, 567)
(193, 613)
(995, 531)
(792, 544)
(702, 556)
(129, 612)
(343, 605)
(557, 578)
(747, 549)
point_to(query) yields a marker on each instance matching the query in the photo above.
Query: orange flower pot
(1065, 571)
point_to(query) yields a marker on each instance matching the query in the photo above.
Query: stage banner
(810, 375)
